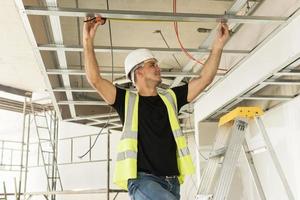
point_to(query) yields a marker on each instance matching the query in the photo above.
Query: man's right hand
(90, 27)
(104, 87)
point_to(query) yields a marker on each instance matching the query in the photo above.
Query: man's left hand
(222, 36)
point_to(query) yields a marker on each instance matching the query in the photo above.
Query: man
(153, 156)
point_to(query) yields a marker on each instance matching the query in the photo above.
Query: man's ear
(139, 71)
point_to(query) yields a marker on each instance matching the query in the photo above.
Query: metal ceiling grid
(55, 31)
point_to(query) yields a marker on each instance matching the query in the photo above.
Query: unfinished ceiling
(54, 29)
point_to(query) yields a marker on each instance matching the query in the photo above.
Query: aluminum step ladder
(46, 123)
(226, 150)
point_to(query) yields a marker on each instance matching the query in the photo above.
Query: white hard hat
(135, 57)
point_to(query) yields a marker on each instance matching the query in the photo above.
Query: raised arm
(104, 87)
(209, 70)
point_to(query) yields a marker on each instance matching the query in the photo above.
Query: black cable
(110, 112)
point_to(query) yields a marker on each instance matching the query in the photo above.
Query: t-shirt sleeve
(181, 95)
(119, 104)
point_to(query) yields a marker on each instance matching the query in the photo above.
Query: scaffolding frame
(24, 148)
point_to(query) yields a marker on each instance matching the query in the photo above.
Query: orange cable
(180, 43)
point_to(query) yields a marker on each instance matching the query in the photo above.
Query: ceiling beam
(97, 116)
(268, 98)
(103, 68)
(119, 49)
(288, 73)
(83, 103)
(61, 54)
(15, 91)
(105, 73)
(150, 16)
(281, 82)
(74, 90)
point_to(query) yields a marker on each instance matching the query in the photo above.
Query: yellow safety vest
(126, 164)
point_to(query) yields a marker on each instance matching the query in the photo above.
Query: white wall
(10, 125)
(282, 125)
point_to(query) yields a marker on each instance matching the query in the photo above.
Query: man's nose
(157, 67)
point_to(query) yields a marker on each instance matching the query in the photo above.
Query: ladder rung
(38, 115)
(218, 152)
(46, 134)
(204, 197)
(45, 139)
(47, 164)
(44, 127)
(53, 177)
(47, 151)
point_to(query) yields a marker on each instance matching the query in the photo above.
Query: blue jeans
(150, 187)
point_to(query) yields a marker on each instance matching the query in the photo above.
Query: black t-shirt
(156, 144)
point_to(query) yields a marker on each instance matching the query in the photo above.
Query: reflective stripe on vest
(126, 154)
(126, 164)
